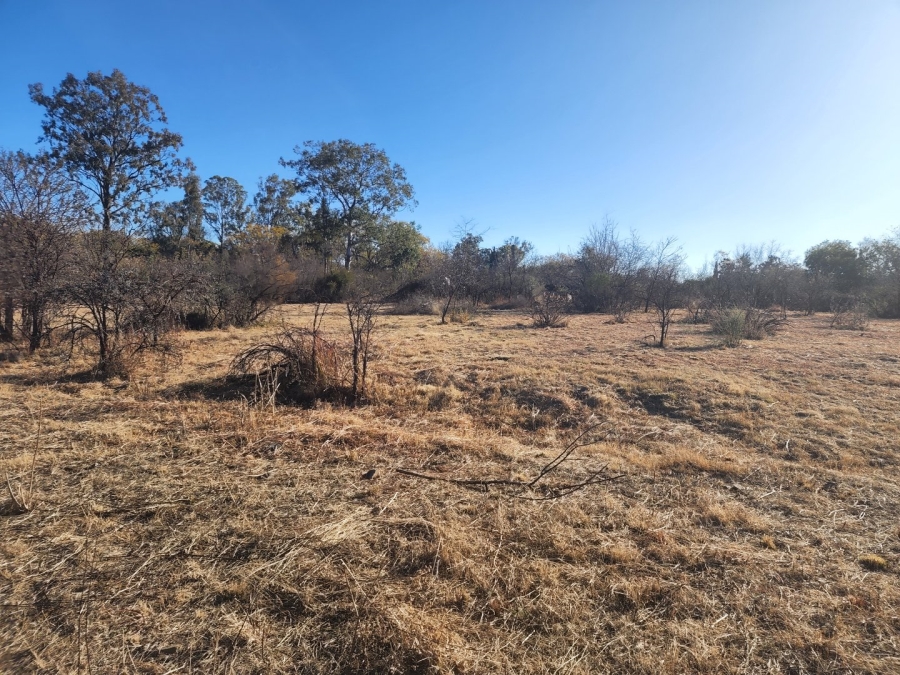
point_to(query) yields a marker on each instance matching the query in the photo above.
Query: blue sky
(719, 123)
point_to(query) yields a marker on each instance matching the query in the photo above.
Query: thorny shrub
(849, 314)
(550, 308)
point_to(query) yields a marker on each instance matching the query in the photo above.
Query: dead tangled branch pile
(299, 365)
(537, 488)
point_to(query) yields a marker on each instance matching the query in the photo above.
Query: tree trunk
(349, 252)
(37, 329)
(8, 318)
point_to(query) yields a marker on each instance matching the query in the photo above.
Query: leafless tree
(362, 313)
(40, 212)
(664, 285)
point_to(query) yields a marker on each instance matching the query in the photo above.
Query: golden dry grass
(754, 530)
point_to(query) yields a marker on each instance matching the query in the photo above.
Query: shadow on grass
(244, 387)
(49, 378)
(230, 388)
(698, 348)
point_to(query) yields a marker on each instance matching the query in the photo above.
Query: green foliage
(273, 205)
(333, 287)
(107, 132)
(397, 246)
(840, 263)
(357, 182)
(225, 207)
(178, 225)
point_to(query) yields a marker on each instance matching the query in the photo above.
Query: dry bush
(697, 311)
(297, 365)
(550, 308)
(730, 324)
(760, 324)
(873, 562)
(416, 305)
(362, 314)
(460, 313)
(850, 314)
(735, 324)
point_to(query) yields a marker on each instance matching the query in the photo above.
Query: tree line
(90, 255)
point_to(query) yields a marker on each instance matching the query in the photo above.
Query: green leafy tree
(110, 136)
(273, 205)
(507, 260)
(396, 246)
(191, 209)
(225, 208)
(839, 263)
(322, 233)
(178, 226)
(108, 133)
(358, 182)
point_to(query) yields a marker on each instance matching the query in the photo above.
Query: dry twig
(584, 439)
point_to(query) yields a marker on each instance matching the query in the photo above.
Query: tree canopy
(109, 134)
(357, 182)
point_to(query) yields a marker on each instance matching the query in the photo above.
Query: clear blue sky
(719, 123)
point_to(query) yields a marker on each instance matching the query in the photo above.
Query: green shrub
(332, 287)
(730, 325)
(735, 324)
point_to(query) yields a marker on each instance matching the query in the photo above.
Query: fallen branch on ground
(520, 487)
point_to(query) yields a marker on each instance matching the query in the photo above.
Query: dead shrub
(416, 305)
(849, 314)
(760, 324)
(873, 562)
(730, 325)
(697, 311)
(297, 365)
(461, 314)
(550, 308)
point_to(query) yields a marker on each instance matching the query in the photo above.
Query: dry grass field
(177, 527)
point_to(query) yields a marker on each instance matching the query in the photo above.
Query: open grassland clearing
(754, 528)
